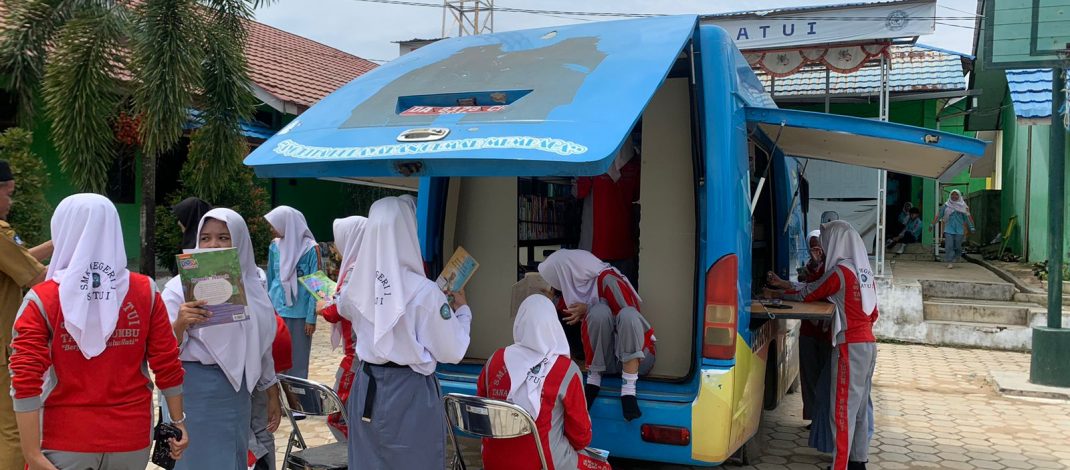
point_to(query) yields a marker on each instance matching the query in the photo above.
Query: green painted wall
(1025, 187)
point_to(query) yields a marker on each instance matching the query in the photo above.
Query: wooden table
(797, 310)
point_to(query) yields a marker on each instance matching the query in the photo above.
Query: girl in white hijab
(404, 327)
(956, 219)
(292, 255)
(849, 285)
(348, 233)
(225, 363)
(537, 374)
(91, 327)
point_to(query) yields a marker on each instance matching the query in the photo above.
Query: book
(458, 271)
(319, 285)
(531, 284)
(214, 276)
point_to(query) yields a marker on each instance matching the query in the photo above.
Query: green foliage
(1040, 270)
(82, 93)
(30, 212)
(241, 192)
(24, 48)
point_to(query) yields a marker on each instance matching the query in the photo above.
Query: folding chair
(311, 399)
(493, 419)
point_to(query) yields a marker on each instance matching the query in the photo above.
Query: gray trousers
(952, 247)
(615, 339)
(302, 347)
(136, 460)
(261, 442)
(407, 429)
(852, 417)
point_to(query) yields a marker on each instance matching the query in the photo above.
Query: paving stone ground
(934, 409)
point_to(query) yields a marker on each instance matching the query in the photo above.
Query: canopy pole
(882, 178)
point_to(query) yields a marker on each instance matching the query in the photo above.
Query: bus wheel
(751, 451)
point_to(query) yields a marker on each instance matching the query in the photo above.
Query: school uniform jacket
(97, 405)
(840, 286)
(563, 423)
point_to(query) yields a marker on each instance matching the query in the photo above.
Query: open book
(214, 276)
(458, 271)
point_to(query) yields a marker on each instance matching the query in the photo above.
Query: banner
(790, 27)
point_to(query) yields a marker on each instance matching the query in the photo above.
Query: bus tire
(751, 451)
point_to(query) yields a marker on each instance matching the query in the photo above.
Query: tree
(31, 212)
(100, 63)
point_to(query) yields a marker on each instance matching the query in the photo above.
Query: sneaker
(949, 265)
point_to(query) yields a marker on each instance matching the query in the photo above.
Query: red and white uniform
(345, 373)
(563, 431)
(98, 405)
(607, 230)
(615, 292)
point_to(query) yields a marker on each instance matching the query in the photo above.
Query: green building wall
(1025, 185)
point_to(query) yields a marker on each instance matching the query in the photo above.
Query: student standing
(958, 222)
(848, 284)
(537, 374)
(91, 328)
(616, 337)
(20, 268)
(405, 326)
(225, 363)
(293, 254)
(348, 233)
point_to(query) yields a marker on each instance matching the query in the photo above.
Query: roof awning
(534, 102)
(865, 142)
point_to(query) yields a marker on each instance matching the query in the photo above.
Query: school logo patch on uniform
(445, 312)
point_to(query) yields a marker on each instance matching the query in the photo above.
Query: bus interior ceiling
(511, 224)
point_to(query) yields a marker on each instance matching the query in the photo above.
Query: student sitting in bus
(537, 374)
(911, 231)
(616, 337)
(847, 283)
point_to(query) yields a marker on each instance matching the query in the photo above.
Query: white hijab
(538, 341)
(390, 269)
(813, 234)
(89, 264)
(575, 273)
(843, 246)
(296, 240)
(348, 233)
(951, 206)
(238, 347)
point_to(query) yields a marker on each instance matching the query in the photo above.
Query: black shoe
(630, 406)
(591, 392)
(856, 465)
(808, 426)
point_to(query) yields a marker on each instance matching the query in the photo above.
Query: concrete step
(911, 257)
(1000, 291)
(1038, 299)
(978, 335)
(987, 312)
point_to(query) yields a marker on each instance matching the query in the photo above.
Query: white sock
(594, 378)
(627, 387)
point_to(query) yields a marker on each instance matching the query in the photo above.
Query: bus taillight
(671, 435)
(719, 322)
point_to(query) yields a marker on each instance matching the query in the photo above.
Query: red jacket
(613, 237)
(102, 404)
(859, 327)
(349, 343)
(520, 453)
(282, 347)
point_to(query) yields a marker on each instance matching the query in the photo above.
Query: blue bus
(493, 129)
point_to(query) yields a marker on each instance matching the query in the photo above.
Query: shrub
(31, 212)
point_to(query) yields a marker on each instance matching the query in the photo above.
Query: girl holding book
(405, 326)
(225, 363)
(293, 254)
(347, 237)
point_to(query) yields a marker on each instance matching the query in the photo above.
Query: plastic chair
(493, 419)
(311, 399)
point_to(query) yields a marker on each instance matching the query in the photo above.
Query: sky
(367, 29)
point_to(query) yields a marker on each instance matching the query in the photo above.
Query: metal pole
(828, 86)
(1056, 202)
(882, 178)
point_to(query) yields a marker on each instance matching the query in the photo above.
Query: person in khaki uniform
(20, 268)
